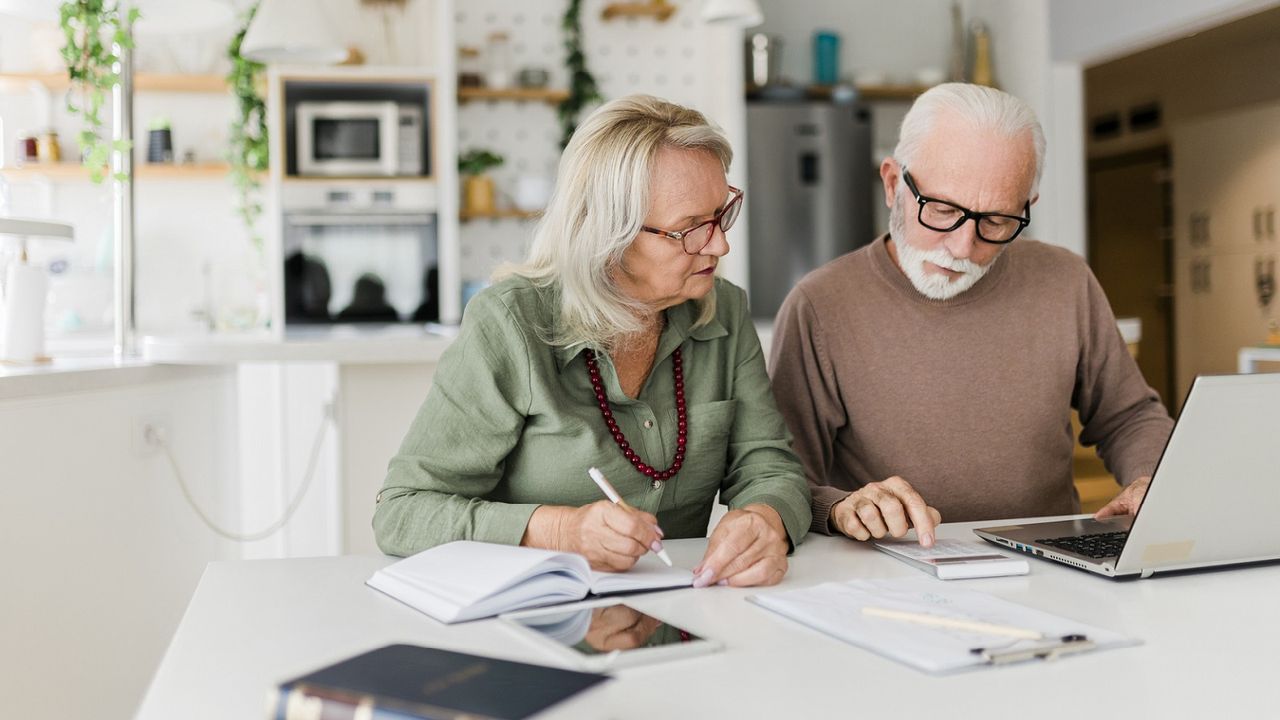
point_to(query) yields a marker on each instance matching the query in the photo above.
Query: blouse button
(648, 424)
(656, 484)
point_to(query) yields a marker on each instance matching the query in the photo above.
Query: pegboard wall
(626, 56)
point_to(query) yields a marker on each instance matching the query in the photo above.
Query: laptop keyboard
(1097, 545)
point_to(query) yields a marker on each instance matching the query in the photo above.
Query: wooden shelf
(905, 93)
(465, 216)
(546, 95)
(144, 171)
(142, 82)
(660, 10)
(181, 83)
(891, 92)
(357, 179)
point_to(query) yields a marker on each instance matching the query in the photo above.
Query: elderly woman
(614, 346)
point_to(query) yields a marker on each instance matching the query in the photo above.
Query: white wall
(682, 60)
(1020, 34)
(100, 552)
(891, 39)
(1091, 31)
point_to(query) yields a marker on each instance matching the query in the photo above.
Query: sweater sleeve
(1119, 412)
(804, 384)
(761, 466)
(454, 452)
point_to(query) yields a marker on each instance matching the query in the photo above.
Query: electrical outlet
(149, 432)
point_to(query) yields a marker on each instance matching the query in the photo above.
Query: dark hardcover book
(408, 681)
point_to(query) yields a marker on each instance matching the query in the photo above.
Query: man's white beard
(911, 259)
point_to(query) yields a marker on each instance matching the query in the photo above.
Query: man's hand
(1127, 502)
(748, 547)
(885, 508)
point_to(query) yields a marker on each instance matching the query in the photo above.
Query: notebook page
(464, 574)
(649, 573)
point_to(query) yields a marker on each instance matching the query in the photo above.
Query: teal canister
(826, 57)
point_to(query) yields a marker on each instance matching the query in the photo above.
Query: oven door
(348, 138)
(360, 266)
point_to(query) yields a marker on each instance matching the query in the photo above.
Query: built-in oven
(361, 255)
(354, 138)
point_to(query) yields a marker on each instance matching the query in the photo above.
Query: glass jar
(28, 149)
(469, 68)
(497, 73)
(47, 147)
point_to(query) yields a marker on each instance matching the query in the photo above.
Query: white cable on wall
(157, 437)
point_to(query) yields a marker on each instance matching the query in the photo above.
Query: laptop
(1214, 498)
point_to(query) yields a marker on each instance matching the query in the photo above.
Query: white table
(1210, 645)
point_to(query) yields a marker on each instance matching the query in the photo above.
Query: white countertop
(83, 374)
(344, 344)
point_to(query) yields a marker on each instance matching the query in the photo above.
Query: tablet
(604, 637)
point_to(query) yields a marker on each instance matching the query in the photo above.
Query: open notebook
(467, 580)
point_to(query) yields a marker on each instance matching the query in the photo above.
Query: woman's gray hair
(600, 201)
(981, 107)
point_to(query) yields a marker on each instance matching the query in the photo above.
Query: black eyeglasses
(699, 236)
(942, 216)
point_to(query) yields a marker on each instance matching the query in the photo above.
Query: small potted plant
(477, 189)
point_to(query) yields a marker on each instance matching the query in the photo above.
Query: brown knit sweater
(968, 399)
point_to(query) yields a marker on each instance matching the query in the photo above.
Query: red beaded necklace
(682, 424)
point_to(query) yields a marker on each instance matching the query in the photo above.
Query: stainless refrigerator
(809, 192)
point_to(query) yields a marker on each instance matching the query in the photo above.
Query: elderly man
(931, 373)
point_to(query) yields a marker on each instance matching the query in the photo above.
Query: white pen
(954, 623)
(616, 499)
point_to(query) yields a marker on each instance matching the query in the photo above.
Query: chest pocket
(705, 455)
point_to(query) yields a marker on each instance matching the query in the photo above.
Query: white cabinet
(1226, 194)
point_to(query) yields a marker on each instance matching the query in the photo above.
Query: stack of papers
(949, 643)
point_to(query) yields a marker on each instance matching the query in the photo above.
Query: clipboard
(964, 635)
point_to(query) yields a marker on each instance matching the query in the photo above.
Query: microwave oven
(359, 138)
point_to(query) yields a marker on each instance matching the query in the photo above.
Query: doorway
(1131, 253)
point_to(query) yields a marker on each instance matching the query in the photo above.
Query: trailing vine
(248, 153)
(583, 90)
(90, 27)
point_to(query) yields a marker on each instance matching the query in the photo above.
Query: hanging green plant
(583, 90)
(90, 28)
(248, 153)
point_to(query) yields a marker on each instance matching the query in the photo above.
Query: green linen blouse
(511, 423)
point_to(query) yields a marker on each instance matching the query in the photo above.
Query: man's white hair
(982, 108)
(600, 201)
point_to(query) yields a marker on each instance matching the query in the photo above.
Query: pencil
(954, 623)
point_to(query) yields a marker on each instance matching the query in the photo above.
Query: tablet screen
(606, 629)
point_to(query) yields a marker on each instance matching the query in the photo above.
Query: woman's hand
(611, 537)
(618, 627)
(748, 547)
